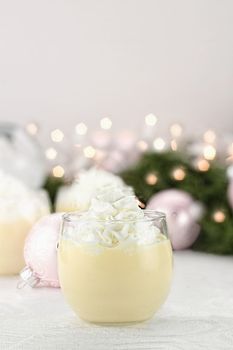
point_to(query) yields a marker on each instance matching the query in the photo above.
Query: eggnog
(115, 285)
(20, 208)
(12, 237)
(114, 260)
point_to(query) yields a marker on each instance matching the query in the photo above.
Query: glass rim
(75, 216)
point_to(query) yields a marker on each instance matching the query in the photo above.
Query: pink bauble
(182, 213)
(40, 252)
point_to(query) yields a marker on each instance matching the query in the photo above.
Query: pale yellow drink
(17, 216)
(63, 207)
(115, 285)
(12, 237)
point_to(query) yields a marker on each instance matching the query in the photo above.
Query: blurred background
(140, 88)
(63, 62)
(99, 94)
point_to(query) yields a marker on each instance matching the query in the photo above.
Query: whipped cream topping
(113, 218)
(17, 200)
(90, 183)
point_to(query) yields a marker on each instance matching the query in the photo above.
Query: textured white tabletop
(198, 314)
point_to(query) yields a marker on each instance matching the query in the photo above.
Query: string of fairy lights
(147, 142)
(95, 151)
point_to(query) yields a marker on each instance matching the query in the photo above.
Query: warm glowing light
(106, 123)
(203, 165)
(159, 144)
(178, 174)
(58, 171)
(150, 119)
(142, 145)
(57, 135)
(151, 179)
(89, 152)
(32, 128)
(51, 153)
(176, 130)
(219, 216)
(209, 152)
(81, 129)
(209, 136)
(174, 145)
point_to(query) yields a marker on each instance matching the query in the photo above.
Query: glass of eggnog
(115, 261)
(20, 208)
(78, 195)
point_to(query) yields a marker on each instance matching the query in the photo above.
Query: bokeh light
(150, 119)
(58, 171)
(81, 129)
(57, 135)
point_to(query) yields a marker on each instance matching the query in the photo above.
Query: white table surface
(198, 314)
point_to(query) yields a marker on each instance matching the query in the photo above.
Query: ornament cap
(28, 277)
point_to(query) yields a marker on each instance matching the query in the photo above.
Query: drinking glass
(115, 271)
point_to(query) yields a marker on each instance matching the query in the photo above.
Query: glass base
(116, 324)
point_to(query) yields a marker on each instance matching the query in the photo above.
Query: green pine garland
(209, 187)
(52, 186)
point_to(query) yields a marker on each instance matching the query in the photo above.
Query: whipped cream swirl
(113, 218)
(17, 200)
(78, 196)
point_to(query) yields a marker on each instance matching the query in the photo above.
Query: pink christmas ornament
(40, 253)
(182, 213)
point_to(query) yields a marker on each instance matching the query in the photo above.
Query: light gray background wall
(72, 60)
